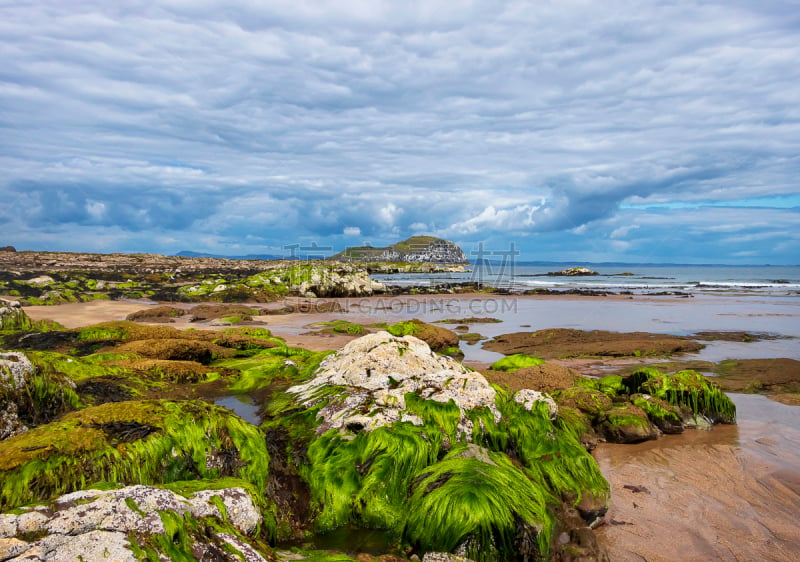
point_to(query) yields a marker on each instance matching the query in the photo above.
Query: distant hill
(188, 254)
(427, 249)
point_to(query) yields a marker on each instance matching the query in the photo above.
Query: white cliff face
(376, 372)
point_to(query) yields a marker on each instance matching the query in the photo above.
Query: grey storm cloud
(244, 124)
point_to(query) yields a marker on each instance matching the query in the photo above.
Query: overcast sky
(579, 130)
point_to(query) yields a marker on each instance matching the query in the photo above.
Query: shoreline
(719, 494)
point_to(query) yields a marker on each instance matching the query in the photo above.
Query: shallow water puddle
(242, 405)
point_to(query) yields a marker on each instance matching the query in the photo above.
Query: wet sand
(79, 314)
(732, 493)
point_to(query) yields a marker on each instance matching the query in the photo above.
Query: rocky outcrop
(573, 272)
(417, 249)
(307, 280)
(28, 397)
(12, 317)
(120, 524)
(375, 372)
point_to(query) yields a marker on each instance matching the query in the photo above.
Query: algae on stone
(516, 361)
(143, 442)
(378, 414)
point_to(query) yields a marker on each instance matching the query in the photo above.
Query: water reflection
(242, 405)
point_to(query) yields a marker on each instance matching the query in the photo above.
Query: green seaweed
(407, 328)
(514, 362)
(440, 416)
(550, 451)
(102, 333)
(687, 389)
(270, 365)
(343, 327)
(365, 480)
(479, 504)
(662, 414)
(142, 442)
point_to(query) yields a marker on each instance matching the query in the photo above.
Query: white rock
(242, 512)
(378, 370)
(10, 548)
(527, 398)
(248, 552)
(95, 545)
(443, 557)
(15, 369)
(41, 280)
(31, 522)
(8, 525)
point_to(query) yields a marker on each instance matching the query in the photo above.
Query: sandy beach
(732, 493)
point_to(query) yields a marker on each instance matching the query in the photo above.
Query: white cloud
(284, 119)
(352, 231)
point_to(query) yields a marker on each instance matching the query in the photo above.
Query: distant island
(417, 249)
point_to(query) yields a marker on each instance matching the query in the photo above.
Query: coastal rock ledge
(123, 524)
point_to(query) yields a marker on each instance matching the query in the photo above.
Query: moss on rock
(438, 338)
(514, 362)
(142, 442)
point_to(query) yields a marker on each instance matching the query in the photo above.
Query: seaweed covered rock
(644, 405)
(134, 442)
(135, 522)
(385, 422)
(308, 280)
(175, 349)
(627, 424)
(691, 392)
(12, 317)
(438, 338)
(30, 396)
(158, 314)
(477, 502)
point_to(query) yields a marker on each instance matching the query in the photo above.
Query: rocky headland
(417, 249)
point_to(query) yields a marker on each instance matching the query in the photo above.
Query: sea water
(619, 278)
